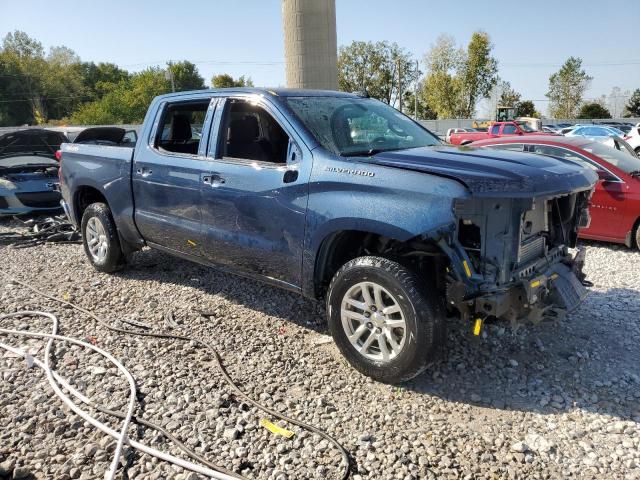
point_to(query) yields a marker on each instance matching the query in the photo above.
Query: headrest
(180, 128)
(244, 129)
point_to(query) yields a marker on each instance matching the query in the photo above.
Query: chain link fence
(441, 126)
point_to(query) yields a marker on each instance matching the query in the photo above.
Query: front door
(167, 177)
(607, 208)
(255, 198)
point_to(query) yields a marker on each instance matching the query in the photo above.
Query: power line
(594, 64)
(44, 98)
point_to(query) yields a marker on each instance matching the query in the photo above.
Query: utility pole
(415, 95)
(169, 76)
(399, 84)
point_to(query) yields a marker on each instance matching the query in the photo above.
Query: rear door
(255, 199)
(167, 176)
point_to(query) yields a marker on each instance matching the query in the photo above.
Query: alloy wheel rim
(96, 239)
(373, 322)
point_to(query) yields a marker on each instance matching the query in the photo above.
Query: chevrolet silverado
(343, 198)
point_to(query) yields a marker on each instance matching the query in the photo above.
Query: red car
(497, 129)
(615, 205)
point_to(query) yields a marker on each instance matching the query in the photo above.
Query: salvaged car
(341, 197)
(29, 171)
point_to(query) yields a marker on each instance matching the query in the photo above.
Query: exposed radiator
(531, 249)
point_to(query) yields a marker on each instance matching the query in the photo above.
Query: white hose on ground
(53, 376)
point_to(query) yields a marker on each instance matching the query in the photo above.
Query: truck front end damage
(510, 257)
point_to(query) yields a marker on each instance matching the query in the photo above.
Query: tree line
(38, 87)
(457, 78)
(57, 87)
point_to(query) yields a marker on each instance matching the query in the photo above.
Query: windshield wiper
(635, 173)
(363, 153)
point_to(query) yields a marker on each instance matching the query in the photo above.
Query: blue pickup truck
(343, 198)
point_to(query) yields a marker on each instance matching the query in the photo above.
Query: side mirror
(605, 176)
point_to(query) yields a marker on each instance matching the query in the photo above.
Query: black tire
(114, 258)
(637, 234)
(423, 315)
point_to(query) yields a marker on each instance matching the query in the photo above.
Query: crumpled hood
(491, 173)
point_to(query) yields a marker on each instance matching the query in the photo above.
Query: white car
(619, 144)
(593, 131)
(447, 137)
(633, 138)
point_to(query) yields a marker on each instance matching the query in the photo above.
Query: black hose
(346, 460)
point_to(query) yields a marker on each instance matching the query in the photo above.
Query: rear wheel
(100, 238)
(383, 320)
(637, 234)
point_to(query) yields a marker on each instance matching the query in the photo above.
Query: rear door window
(180, 128)
(509, 129)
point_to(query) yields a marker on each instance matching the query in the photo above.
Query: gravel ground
(551, 401)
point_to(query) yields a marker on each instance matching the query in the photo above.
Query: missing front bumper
(549, 294)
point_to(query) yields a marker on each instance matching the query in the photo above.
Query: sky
(244, 37)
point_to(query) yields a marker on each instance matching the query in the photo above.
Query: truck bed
(106, 169)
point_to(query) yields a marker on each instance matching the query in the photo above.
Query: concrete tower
(310, 44)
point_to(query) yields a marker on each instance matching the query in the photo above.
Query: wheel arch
(338, 247)
(83, 197)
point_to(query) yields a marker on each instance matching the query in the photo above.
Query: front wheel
(383, 320)
(100, 238)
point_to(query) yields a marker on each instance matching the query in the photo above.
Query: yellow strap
(467, 270)
(191, 242)
(477, 327)
(275, 428)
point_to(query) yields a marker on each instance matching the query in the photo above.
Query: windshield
(358, 126)
(621, 159)
(525, 126)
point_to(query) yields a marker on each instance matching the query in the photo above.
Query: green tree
(442, 86)
(508, 96)
(633, 105)
(457, 78)
(224, 80)
(100, 78)
(62, 83)
(127, 102)
(381, 69)
(34, 86)
(23, 61)
(480, 70)
(185, 76)
(424, 111)
(593, 110)
(526, 109)
(566, 89)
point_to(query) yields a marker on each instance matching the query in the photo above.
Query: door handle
(213, 179)
(290, 176)
(144, 172)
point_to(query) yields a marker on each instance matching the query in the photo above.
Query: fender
(394, 203)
